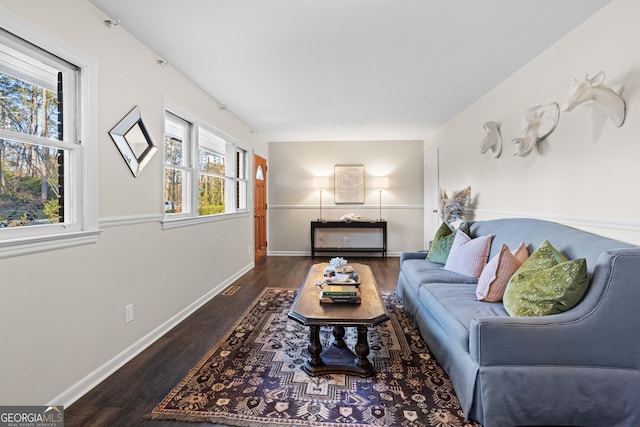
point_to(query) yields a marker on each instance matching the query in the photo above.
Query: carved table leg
(338, 334)
(362, 349)
(315, 347)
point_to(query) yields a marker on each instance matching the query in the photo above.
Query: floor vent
(230, 290)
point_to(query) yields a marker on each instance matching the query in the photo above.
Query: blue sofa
(578, 368)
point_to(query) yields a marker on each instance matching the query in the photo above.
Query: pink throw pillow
(496, 274)
(468, 256)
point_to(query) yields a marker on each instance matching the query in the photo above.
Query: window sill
(32, 245)
(168, 223)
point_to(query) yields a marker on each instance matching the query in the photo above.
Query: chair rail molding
(342, 207)
(585, 221)
(116, 221)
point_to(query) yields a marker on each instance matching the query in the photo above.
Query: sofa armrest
(600, 331)
(497, 341)
(412, 255)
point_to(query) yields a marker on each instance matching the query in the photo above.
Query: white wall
(62, 312)
(293, 202)
(585, 173)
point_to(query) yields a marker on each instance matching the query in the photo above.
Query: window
(41, 158)
(177, 142)
(205, 172)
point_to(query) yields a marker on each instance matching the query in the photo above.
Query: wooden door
(260, 206)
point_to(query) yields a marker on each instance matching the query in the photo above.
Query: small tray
(351, 278)
(344, 269)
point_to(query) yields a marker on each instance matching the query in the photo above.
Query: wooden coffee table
(307, 310)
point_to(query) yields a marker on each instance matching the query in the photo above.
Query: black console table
(381, 225)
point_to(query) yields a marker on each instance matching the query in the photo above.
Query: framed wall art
(349, 184)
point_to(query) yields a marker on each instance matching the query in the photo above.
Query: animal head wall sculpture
(492, 140)
(593, 89)
(536, 124)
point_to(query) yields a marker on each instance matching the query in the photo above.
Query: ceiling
(299, 70)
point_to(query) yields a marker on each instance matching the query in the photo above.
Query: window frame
(186, 167)
(81, 174)
(172, 220)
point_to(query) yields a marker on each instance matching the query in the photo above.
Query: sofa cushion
(468, 256)
(421, 271)
(441, 245)
(547, 283)
(498, 271)
(455, 306)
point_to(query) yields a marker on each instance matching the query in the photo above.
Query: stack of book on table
(340, 294)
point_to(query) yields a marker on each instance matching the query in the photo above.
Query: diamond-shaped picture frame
(132, 139)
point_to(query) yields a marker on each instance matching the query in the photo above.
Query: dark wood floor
(125, 397)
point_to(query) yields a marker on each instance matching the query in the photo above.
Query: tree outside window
(31, 160)
(217, 188)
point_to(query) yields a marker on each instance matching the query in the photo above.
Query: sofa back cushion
(571, 242)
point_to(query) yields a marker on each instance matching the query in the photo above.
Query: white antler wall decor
(593, 89)
(536, 124)
(492, 140)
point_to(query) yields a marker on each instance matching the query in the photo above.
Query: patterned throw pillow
(441, 245)
(547, 283)
(498, 271)
(468, 256)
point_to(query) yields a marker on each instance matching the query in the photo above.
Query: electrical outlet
(345, 241)
(128, 313)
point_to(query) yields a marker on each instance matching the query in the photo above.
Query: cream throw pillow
(468, 256)
(496, 274)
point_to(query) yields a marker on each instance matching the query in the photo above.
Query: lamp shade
(380, 182)
(320, 182)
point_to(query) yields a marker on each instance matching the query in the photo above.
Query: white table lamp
(320, 183)
(380, 182)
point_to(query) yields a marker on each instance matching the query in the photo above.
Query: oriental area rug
(253, 377)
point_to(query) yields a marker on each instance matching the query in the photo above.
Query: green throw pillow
(547, 283)
(441, 245)
(466, 228)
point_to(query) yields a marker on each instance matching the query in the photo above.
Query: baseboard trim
(87, 383)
